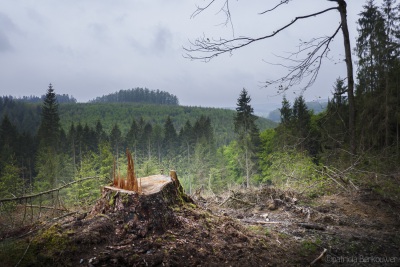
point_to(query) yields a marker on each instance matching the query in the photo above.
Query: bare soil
(254, 227)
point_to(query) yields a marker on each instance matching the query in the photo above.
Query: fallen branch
(261, 222)
(46, 207)
(244, 202)
(63, 216)
(46, 192)
(319, 257)
(312, 226)
(23, 255)
(226, 200)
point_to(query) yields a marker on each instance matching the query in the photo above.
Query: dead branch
(23, 255)
(260, 222)
(275, 7)
(215, 47)
(312, 226)
(226, 200)
(243, 202)
(46, 207)
(46, 192)
(319, 257)
(316, 50)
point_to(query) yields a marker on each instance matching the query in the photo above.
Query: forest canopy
(138, 95)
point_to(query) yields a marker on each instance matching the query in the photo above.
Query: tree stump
(151, 209)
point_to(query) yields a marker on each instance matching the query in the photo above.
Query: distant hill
(122, 114)
(138, 95)
(64, 98)
(316, 107)
(26, 116)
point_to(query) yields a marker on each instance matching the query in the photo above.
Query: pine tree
(116, 140)
(286, 111)
(302, 117)
(377, 50)
(248, 137)
(48, 162)
(170, 137)
(49, 129)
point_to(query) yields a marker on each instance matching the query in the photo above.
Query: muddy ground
(254, 227)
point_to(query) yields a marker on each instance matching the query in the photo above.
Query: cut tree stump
(149, 210)
(142, 204)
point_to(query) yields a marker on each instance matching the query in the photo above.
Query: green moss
(192, 205)
(135, 257)
(267, 232)
(176, 209)
(283, 235)
(257, 229)
(51, 244)
(12, 251)
(111, 202)
(125, 198)
(309, 247)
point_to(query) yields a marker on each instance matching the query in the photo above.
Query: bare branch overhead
(275, 7)
(215, 47)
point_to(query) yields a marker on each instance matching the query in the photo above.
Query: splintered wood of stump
(131, 182)
(151, 210)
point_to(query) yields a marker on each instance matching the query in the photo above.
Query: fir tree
(49, 129)
(247, 134)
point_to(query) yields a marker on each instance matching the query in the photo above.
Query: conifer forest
(317, 189)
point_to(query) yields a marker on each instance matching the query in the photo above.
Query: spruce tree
(248, 137)
(286, 111)
(48, 162)
(170, 137)
(49, 129)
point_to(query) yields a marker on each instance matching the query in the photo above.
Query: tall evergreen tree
(378, 53)
(248, 135)
(286, 111)
(49, 129)
(302, 117)
(170, 137)
(48, 162)
(116, 140)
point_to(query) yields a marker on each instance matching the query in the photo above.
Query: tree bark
(151, 210)
(350, 79)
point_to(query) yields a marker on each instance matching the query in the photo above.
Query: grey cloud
(6, 23)
(4, 43)
(98, 31)
(159, 43)
(6, 26)
(162, 40)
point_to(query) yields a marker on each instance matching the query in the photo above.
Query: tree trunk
(350, 78)
(151, 210)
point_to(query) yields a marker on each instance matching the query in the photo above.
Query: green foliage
(11, 184)
(139, 95)
(49, 129)
(230, 155)
(148, 167)
(290, 169)
(12, 250)
(124, 113)
(309, 247)
(248, 138)
(378, 84)
(48, 167)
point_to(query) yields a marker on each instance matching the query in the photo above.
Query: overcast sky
(88, 48)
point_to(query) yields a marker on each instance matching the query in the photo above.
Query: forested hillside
(139, 95)
(122, 114)
(158, 134)
(315, 107)
(26, 116)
